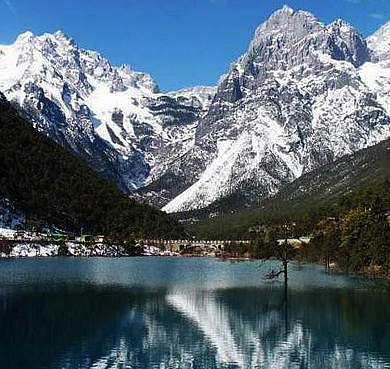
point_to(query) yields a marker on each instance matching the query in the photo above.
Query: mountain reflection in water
(105, 325)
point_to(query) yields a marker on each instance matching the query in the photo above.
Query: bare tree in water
(282, 251)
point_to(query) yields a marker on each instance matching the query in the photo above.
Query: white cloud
(377, 15)
(11, 7)
(217, 1)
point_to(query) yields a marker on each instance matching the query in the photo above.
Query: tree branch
(272, 274)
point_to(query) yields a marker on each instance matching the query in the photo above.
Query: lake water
(187, 313)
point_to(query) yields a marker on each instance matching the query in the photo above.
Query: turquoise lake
(157, 313)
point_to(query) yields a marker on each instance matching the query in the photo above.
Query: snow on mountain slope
(205, 94)
(379, 43)
(294, 101)
(302, 95)
(113, 117)
(376, 74)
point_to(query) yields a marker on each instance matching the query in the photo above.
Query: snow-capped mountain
(302, 95)
(113, 117)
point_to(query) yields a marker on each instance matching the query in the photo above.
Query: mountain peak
(288, 21)
(341, 22)
(342, 26)
(280, 14)
(286, 9)
(61, 35)
(284, 27)
(347, 43)
(125, 68)
(287, 12)
(25, 36)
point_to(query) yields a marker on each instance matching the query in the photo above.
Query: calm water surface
(187, 313)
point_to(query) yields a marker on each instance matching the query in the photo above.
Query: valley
(303, 95)
(298, 124)
(194, 184)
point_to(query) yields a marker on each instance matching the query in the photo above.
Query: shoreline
(21, 249)
(372, 272)
(31, 249)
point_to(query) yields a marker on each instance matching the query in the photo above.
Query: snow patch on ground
(32, 249)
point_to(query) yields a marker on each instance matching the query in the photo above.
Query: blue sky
(179, 42)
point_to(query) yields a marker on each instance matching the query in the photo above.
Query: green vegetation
(52, 187)
(358, 240)
(352, 231)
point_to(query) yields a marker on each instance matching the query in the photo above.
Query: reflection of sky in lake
(187, 313)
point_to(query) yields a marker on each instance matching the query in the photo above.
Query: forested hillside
(52, 187)
(351, 231)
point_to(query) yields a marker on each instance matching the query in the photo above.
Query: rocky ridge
(296, 100)
(113, 117)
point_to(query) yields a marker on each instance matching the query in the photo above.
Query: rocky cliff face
(293, 102)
